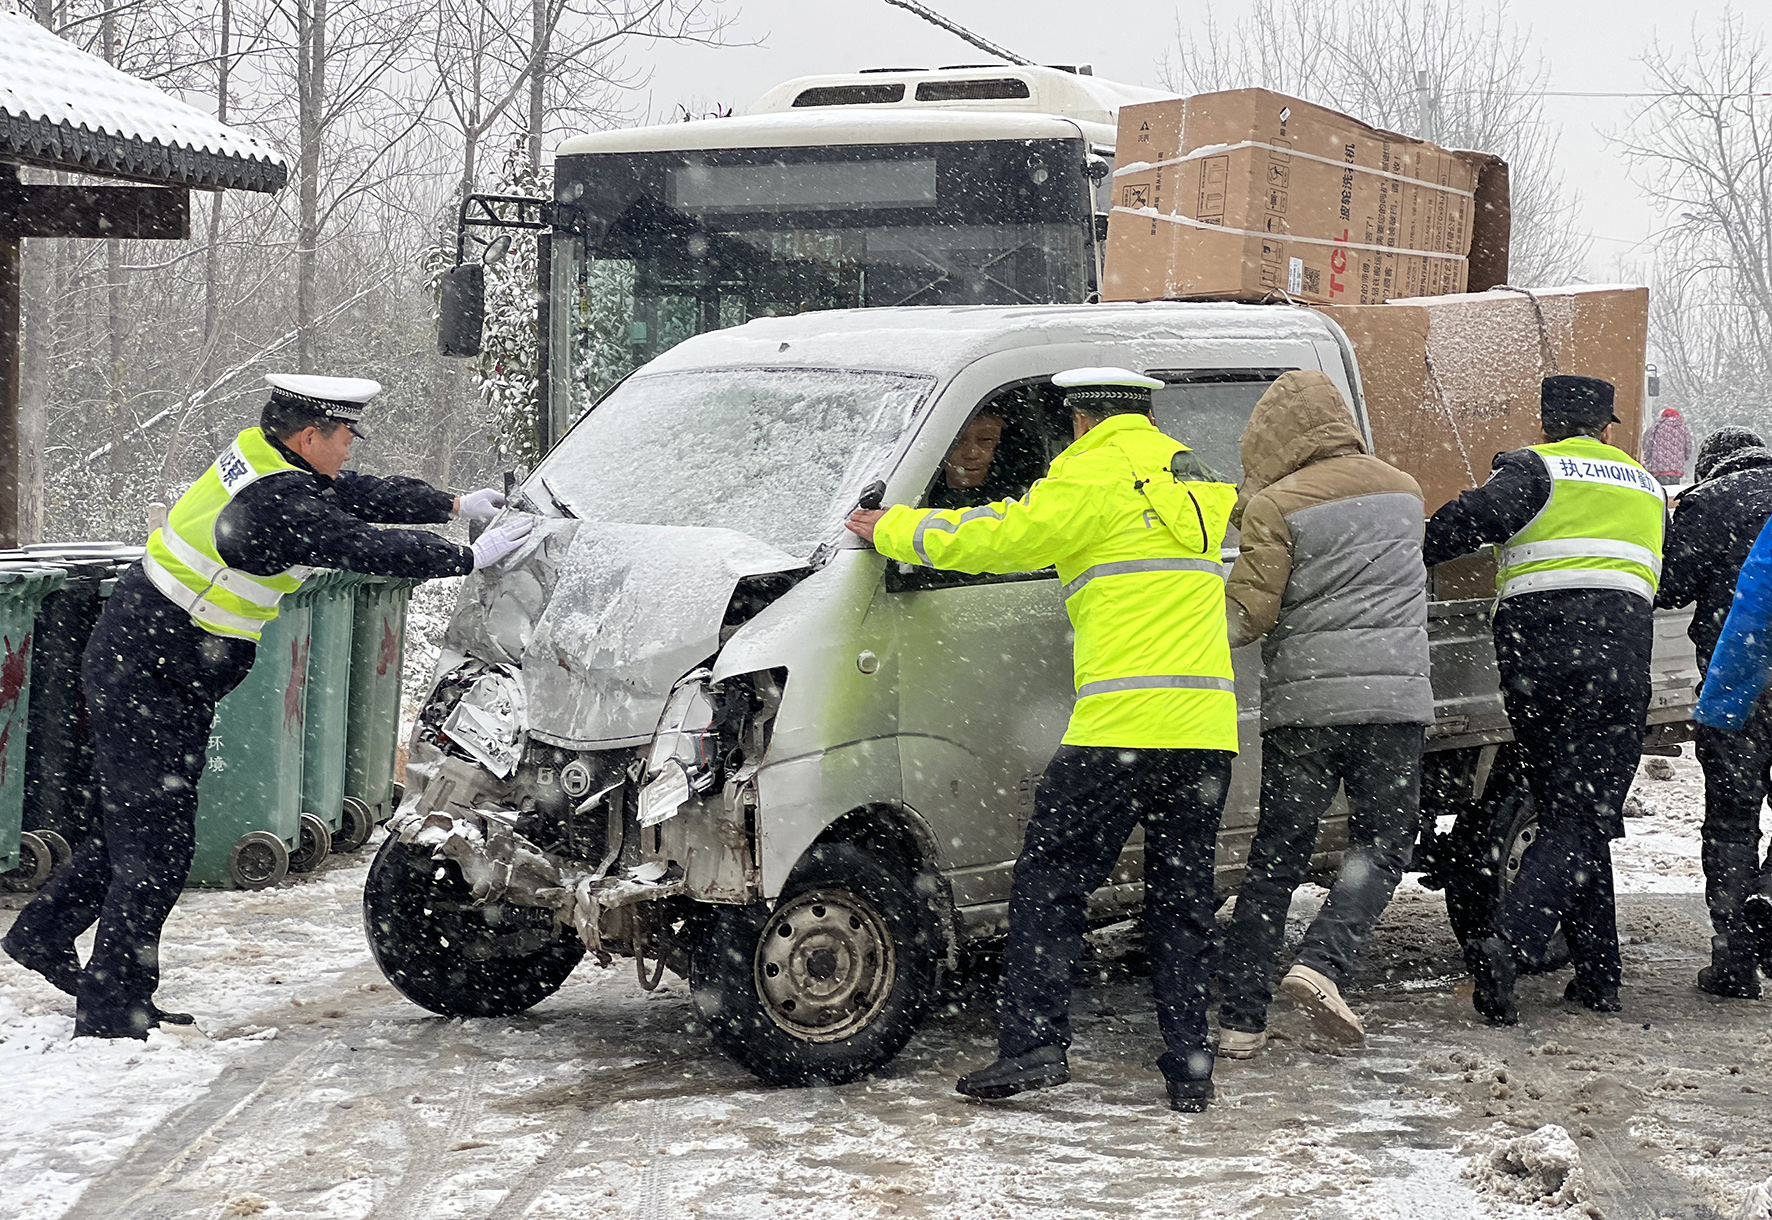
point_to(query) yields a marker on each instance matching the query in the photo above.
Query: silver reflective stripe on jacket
(1124, 566)
(932, 522)
(1580, 548)
(192, 602)
(240, 584)
(1108, 686)
(1579, 578)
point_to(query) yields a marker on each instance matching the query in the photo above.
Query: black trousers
(152, 681)
(1380, 766)
(1577, 706)
(1089, 801)
(1734, 791)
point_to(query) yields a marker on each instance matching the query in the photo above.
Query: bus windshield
(681, 242)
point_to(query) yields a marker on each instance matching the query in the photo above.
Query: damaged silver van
(696, 723)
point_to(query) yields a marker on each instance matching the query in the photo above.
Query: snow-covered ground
(312, 1089)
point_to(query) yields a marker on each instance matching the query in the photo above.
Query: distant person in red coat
(1667, 447)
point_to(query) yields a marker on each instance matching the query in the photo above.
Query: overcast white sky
(1589, 45)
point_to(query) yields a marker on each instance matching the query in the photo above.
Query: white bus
(955, 186)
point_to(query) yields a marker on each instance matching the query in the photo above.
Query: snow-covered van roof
(940, 339)
(61, 108)
(838, 125)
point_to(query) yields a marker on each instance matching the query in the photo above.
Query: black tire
(312, 848)
(451, 956)
(35, 863)
(830, 984)
(258, 860)
(1488, 850)
(356, 823)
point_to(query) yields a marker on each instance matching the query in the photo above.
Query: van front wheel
(831, 983)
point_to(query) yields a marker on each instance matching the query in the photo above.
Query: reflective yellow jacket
(1138, 547)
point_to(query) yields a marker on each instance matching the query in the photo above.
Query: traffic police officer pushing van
(1135, 525)
(1578, 526)
(180, 632)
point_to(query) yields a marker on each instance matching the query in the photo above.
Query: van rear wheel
(830, 984)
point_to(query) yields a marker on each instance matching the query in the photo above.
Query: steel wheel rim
(1516, 853)
(825, 965)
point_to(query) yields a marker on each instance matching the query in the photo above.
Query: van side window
(1207, 410)
(1000, 452)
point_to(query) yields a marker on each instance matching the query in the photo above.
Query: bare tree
(1703, 152)
(1427, 67)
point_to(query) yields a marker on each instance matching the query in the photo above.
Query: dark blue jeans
(1089, 801)
(1380, 766)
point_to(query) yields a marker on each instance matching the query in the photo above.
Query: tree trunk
(311, 94)
(539, 32)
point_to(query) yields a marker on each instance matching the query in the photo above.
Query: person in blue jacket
(1734, 687)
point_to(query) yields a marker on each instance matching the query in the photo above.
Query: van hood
(604, 618)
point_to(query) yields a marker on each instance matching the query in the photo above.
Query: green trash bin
(378, 656)
(25, 859)
(249, 801)
(332, 604)
(61, 801)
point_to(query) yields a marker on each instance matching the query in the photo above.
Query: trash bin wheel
(829, 984)
(312, 848)
(258, 860)
(356, 824)
(34, 865)
(451, 955)
(59, 851)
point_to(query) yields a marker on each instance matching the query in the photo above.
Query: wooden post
(11, 270)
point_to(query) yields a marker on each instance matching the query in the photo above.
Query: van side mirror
(462, 311)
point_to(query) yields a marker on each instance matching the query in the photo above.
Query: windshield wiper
(558, 502)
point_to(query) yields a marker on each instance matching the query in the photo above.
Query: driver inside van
(996, 457)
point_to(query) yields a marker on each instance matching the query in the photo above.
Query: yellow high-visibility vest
(1600, 529)
(182, 559)
(1138, 548)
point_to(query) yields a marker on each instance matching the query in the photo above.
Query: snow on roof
(940, 339)
(1072, 95)
(829, 125)
(64, 109)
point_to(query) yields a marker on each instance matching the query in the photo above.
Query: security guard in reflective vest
(1578, 529)
(1134, 524)
(179, 633)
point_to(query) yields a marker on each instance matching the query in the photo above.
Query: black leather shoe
(61, 969)
(1038, 1069)
(1491, 963)
(1191, 1096)
(1595, 999)
(1730, 984)
(162, 1017)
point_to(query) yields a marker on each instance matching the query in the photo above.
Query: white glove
(501, 540)
(482, 505)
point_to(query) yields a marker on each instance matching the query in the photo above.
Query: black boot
(62, 969)
(128, 1021)
(1038, 1069)
(1756, 913)
(1491, 963)
(1191, 1096)
(1593, 996)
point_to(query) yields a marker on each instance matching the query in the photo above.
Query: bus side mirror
(462, 311)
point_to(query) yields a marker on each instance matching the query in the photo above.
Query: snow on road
(314, 1090)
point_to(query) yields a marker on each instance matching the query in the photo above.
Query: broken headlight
(684, 759)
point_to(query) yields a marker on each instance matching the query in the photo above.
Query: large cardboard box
(1248, 193)
(1451, 381)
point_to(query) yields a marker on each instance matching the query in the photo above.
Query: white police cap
(341, 398)
(1097, 387)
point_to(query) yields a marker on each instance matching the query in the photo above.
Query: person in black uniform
(153, 677)
(1712, 532)
(1573, 632)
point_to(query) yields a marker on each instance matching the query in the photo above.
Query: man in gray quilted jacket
(1330, 573)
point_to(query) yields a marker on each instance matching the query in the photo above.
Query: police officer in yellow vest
(1577, 526)
(1134, 523)
(179, 633)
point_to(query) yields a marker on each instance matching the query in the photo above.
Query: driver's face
(968, 463)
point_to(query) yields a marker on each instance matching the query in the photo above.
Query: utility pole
(1424, 106)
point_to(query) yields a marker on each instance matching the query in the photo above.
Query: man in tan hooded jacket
(1330, 573)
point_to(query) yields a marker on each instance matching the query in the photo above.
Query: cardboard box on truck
(1248, 193)
(1451, 381)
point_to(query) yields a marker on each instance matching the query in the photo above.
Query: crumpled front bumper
(500, 865)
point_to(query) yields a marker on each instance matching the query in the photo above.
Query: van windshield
(779, 454)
